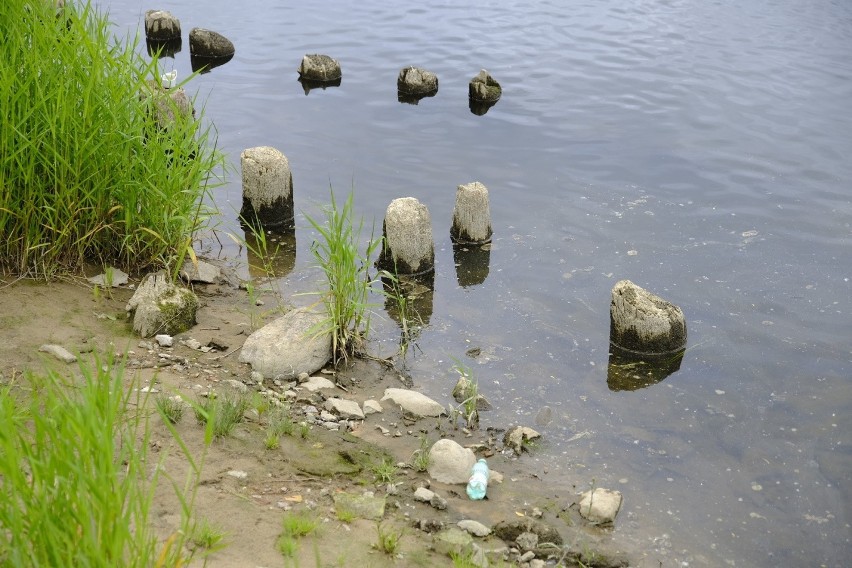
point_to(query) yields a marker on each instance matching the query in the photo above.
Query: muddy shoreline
(302, 473)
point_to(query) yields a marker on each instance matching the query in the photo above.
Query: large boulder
(159, 306)
(293, 344)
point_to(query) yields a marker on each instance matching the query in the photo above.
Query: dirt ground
(245, 489)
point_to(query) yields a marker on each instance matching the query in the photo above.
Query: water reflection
(631, 371)
(407, 98)
(206, 64)
(309, 85)
(273, 254)
(409, 300)
(472, 263)
(479, 108)
(166, 48)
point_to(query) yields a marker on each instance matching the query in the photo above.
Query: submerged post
(267, 188)
(642, 323)
(408, 247)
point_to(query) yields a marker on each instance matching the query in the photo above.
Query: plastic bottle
(478, 482)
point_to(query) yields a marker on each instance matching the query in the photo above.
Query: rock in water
(600, 505)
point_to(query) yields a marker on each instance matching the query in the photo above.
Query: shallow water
(700, 150)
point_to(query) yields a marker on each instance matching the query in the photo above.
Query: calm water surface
(700, 149)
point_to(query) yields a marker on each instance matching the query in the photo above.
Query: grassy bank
(86, 173)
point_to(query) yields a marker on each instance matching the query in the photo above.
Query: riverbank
(246, 488)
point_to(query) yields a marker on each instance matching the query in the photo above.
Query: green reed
(346, 270)
(85, 171)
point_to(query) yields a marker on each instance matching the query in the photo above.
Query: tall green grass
(74, 488)
(85, 172)
(347, 274)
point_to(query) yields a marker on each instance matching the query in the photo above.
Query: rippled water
(700, 149)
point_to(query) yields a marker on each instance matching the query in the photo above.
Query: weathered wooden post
(643, 323)
(267, 189)
(471, 215)
(408, 247)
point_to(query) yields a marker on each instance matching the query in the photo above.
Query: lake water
(699, 149)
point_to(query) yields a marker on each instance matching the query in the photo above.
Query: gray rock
(527, 541)
(207, 43)
(59, 352)
(314, 384)
(409, 248)
(344, 408)
(474, 527)
(517, 437)
(438, 502)
(160, 307)
(238, 386)
(641, 322)
(321, 68)
(423, 495)
(164, 340)
(526, 556)
(417, 81)
(288, 346)
(449, 462)
(200, 271)
(372, 407)
(267, 188)
(167, 106)
(471, 215)
(414, 402)
(600, 506)
(161, 25)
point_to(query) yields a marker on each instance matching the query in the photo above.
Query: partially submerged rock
(209, 44)
(509, 531)
(600, 505)
(320, 68)
(159, 306)
(288, 346)
(518, 437)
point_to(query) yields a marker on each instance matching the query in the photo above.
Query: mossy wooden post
(267, 188)
(408, 247)
(643, 323)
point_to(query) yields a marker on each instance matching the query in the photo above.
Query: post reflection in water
(272, 254)
(472, 263)
(633, 371)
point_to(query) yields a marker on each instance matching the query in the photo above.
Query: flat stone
(314, 384)
(452, 540)
(200, 271)
(114, 278)
(344, 408)
(367, 507)
(164, 340)
(372, 407)
(414, 402)
(59, 352)
(423, 495)
(474, 527)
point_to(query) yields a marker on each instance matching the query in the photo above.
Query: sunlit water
(699, 149)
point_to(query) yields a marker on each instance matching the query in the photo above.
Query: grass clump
(170, 408)
(385, 471)
(295, 526)
(86, 170)
(420, 458)
(74, 485)
(207, 536)
(388, 541)
(347, 276)
(223, 412)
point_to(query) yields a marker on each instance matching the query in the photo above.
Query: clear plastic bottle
(478, 482)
